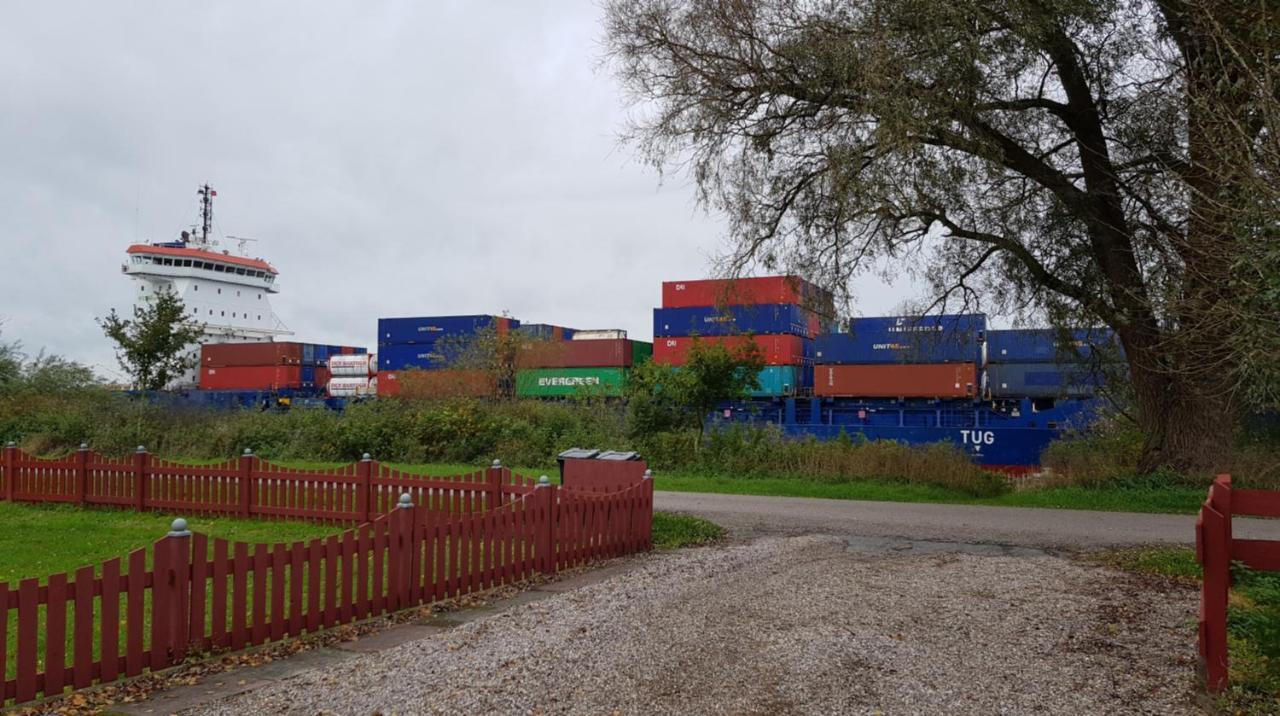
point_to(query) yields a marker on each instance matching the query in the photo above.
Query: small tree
(153, 348)
(664, 398)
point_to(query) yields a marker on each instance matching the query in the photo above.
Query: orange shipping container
(927, 380)
(434, 384)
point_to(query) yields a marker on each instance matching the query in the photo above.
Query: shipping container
(599, 334)
(271, 377)
(768, 318)
(448, 353)
(948, 380)
(545, 331)
(778, 381)
(777, 350)
(748, 291)
(1046, 345)
(219, 355)
(570, 382)
(352, 365)
(352, 387)
(425, 329)
(906, 339)
(437, 384)
(1042, 380)
(607, 353)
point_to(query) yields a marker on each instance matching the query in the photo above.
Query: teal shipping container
(779, 380)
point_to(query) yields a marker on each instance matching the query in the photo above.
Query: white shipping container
(599, 335)
(353, 365)
(348, 387)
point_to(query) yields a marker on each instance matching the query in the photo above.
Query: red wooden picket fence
(247, 486)
(1216, 549)
(199, 594)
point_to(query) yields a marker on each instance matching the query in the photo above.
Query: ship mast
(206, 211)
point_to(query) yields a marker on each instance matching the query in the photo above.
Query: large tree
(1092, 160)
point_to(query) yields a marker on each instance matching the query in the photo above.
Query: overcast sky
(392, 159)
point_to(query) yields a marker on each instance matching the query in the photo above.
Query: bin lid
(615, 455)
(578, 454)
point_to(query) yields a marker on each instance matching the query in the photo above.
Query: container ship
(1001, 396)
(227, 294)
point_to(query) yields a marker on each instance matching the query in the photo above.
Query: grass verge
(1253, 622)
(672, 531)
(1120, 498)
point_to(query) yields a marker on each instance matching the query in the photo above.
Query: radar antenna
(206, 211)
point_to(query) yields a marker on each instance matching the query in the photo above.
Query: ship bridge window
(240, 271)
(195, 288)
(186, 263)
(219, 292)
(219, 267)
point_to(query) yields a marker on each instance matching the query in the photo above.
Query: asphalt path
(750, 515)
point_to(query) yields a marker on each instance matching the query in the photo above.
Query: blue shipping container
(1041, 380)
(544, 331)
(906, 339)
(1043, 345)
(427, 356)
(424, 329)
(763, 319)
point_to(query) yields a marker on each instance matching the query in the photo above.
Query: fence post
(546, 494)
(646, 515)
(170, 595)
(141, 459)
(402, 526)
(245, 489)
(364, 488)
(10, 471)
(495, 485)
(82, 473)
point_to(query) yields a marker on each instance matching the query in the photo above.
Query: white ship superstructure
(227, 294)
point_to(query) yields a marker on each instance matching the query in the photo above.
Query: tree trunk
(1186, 412)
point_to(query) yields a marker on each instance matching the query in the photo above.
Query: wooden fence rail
(1216, 549)
(197, 594)
(248, 486)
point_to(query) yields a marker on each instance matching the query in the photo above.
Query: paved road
(746, 515)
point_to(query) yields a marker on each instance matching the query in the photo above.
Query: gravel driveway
(805, 625)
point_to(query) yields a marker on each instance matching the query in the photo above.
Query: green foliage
(663, 398)
(672, 531)
(1108, 454)
(153, 347)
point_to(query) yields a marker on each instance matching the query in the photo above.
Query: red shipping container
(778, 350)
(388, 383)
(269, 377)
(747, 292)
(322, 377)
(218, 355)
(608, 353)
(925, 380)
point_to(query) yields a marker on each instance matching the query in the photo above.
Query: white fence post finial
(406, 500)
(179, 528)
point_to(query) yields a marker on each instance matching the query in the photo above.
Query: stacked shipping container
(271, 366)
(585, 365)
(780, 314)
(903, 357)
(1045, 363)
(424, 356)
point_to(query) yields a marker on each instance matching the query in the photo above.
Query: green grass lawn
(1253, 622)
(1123, 498)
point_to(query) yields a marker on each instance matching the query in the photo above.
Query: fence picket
(240, 596)
(314, 555)
(348, 578)
(331, 581)
(82, 628)
(218, 636)
(4, 642)
(109, 636)
(279, 558)
(199, 584)
(28, 623)
(136, 583)
(297, 561)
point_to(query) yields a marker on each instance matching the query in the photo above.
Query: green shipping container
(641, 352)
(570, 382)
